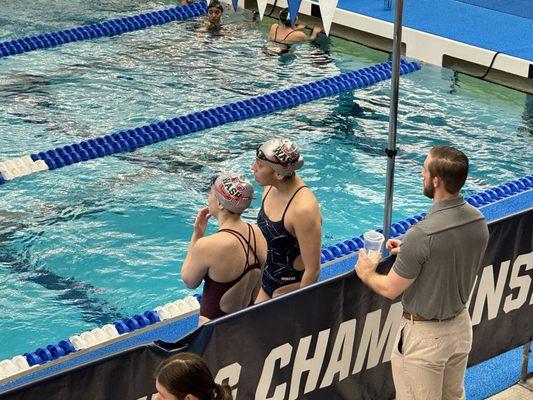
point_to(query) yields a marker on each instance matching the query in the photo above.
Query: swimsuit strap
(264, 198)
(290, 201)
(254, 248)
(243, 240)
(282, 40)
(288, 34)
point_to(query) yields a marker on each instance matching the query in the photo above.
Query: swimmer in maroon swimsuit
(230, 261)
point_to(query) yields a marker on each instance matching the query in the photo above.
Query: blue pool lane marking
(135, 138)
(112, 27)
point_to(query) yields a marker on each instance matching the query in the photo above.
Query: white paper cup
(373, 242)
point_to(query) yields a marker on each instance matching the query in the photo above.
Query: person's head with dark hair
(285, 17)
(214, 13)
(445, 170)
(186, 376)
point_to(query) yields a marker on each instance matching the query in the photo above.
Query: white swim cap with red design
(282, 155)
(233, 191)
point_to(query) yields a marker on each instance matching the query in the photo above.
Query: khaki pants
(429, 358)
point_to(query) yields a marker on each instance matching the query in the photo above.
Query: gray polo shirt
(443, 253)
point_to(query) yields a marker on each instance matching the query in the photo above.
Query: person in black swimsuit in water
(289, 218)
(284, 34)
(231, 260)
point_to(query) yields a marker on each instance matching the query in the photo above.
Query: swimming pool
(84, 245)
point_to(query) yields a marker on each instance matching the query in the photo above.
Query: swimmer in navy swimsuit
(231, 261)
(289, 219)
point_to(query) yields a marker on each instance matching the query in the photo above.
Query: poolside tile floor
(515, 392)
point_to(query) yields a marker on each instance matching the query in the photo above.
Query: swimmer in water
(283, 34)
(214, 16)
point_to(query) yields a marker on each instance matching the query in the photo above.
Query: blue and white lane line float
(112, 27)
(98, 336)
(135, 138)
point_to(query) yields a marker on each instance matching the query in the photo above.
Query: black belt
(412, 317)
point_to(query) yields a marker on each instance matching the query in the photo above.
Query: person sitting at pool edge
(231, 260)
(286, 33)
(214, 15)
(289, 218)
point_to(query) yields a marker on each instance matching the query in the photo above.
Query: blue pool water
(84, 245)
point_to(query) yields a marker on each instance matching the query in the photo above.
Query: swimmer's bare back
(288, 35)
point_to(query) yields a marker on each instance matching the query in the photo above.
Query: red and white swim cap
(282, 155)
(233, 191)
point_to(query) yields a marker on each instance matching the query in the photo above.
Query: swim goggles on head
(260, 155)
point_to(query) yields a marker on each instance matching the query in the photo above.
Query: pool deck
(457, 34)
(466, 23)
(516, 392)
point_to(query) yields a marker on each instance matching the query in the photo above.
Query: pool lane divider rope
(112, 27)
(132, 139)
(42, 355)
(191, 304)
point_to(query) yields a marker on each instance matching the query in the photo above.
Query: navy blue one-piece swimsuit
(283, 249)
